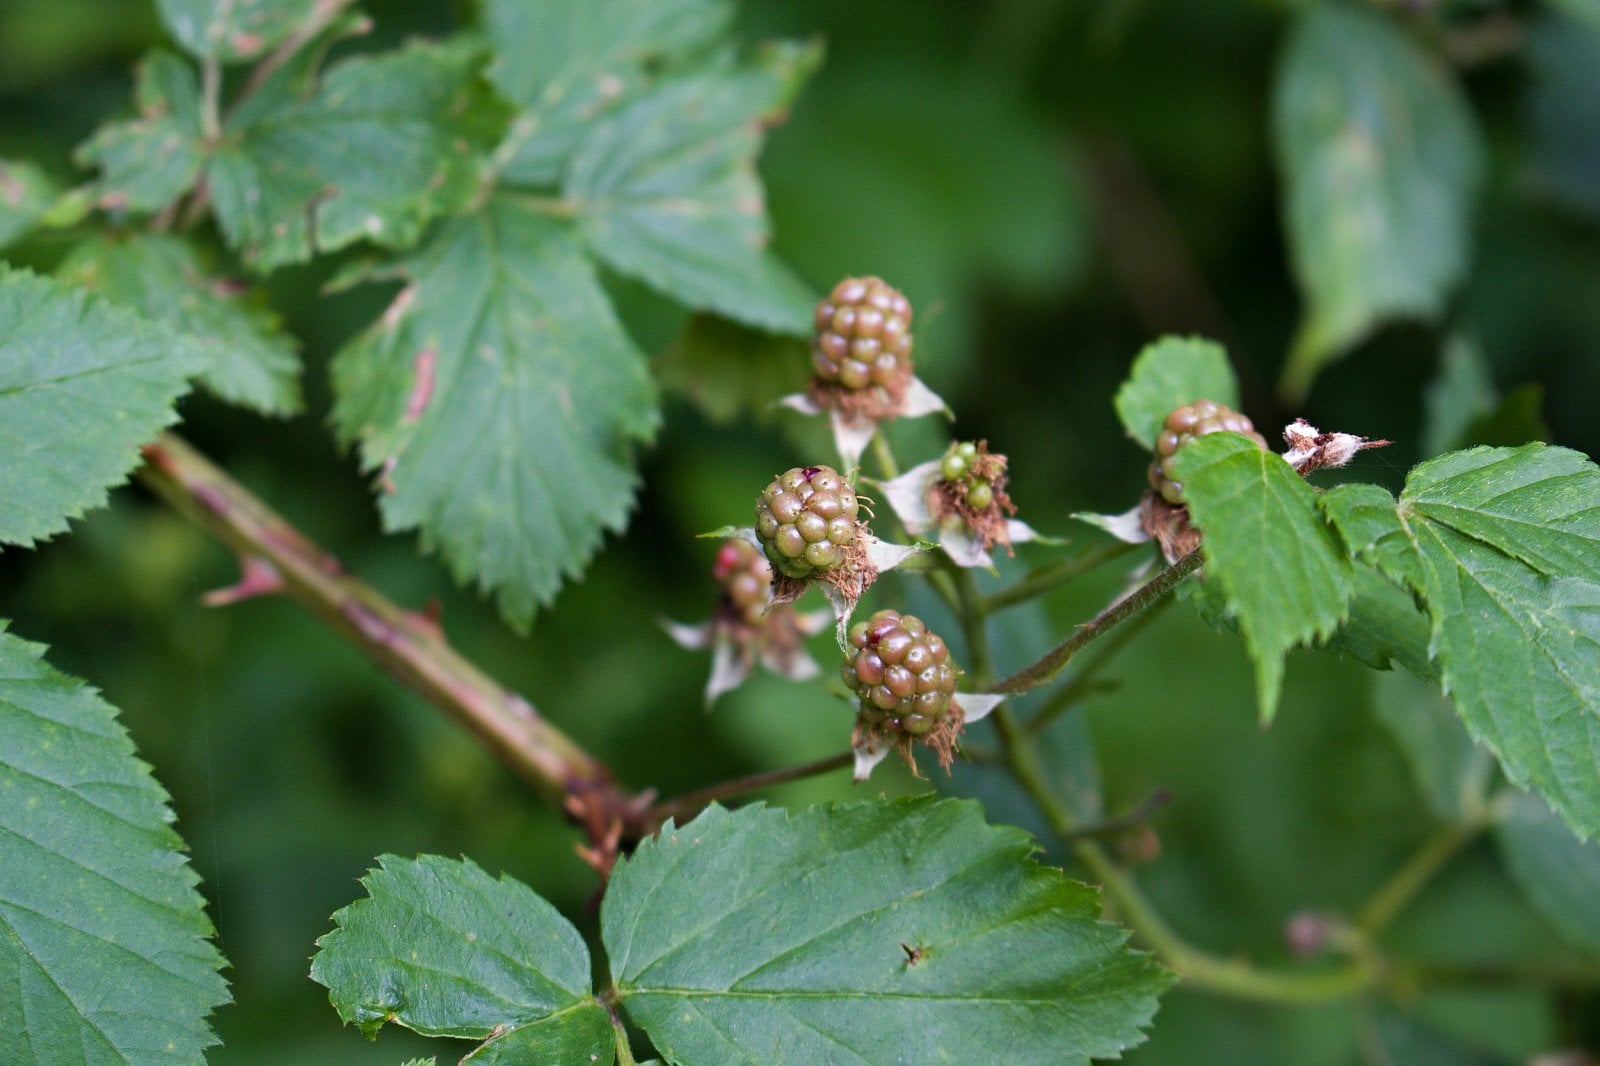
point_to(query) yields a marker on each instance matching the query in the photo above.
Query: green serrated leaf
(82, 385)
(1368, 523)
(666, 191)
(248, 360)
(568, 64)
(885, 932)
(104, 942)
(1558, 873)
(149, 161)
(444, 949)
(500, 400)
(1380, 158)
(1507, 540)
(1285, 577)
(1385, 628)
(373, 154)
(233, 30)
(1450, 770)
(26, 193)
(1167, 374)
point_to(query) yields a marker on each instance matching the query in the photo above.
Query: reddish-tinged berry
(863, 337)
(1184, 425)
(902, 674)
(806, 520)
(745, 577)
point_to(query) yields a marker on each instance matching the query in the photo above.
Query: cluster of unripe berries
(862, 336)
(1183, 425)
(902, 673)
(958, 467)
(745, 578)
(806, 520)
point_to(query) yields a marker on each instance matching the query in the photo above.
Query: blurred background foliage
(1053, 183)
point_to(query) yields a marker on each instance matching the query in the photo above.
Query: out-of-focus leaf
(373, 154)
(499, 401)
(1559, 873)
(1450, 770)
(568, 64)
(1380, 158)
(731, 371)
(82, 385)
(26, 193)
(1401, 1040)
(247, 360)
(1166, 375)
(149, 161)
(1517, 419)
(1461, 392)
(666, 191)
(104, 941)
(881, 932)
(444, 949)
(1564, 104)
(233, 30)
(1285, 577)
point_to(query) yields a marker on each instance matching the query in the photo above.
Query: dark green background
(1053, 184)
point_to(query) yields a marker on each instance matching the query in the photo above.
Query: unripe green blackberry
(745, 577)
(902, 673)
(806, 520)
(863, 336)
(1182, 426)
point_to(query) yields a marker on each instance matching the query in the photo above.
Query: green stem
(969, 609)
(884, 455)
(1386, 903)
(1046, 578)
(692, 802)
(1145, 596)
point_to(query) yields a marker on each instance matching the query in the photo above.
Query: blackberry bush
(806, 520)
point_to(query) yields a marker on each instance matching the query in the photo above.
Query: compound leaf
(373, 154)
(26, 193)
(1284, 576)
(1559, 873)
(667, 192)
(1167, 374)
(1507, 539)
(233, 30)
(444, 949)
(149, 161)
(82, 385)
(567, 64)
(1380, 158)
(247, 360)
(501, 400)
(885, 932)
(104, 943)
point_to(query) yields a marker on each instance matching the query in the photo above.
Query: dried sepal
(1311, 449)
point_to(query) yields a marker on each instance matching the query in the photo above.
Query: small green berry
(980, 494)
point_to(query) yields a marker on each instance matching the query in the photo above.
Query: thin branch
(1394, 895)
(1146, 595)
(692, 802)
(321, 16)
(1046, 578)
(404, 644)
(1084, 683)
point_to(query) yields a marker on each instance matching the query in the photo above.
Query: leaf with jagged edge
(1380, 158)
(26, 193)
(247, 359)
(1167, 374)
(666, 190)
(83, 384)
(234, 31)
(1558, 873)
(879, 932)
(105, 947)
(499, 401)
(1451, 772)
(149, 161)
(442, 948)
(1283, 575)
(567, 64)
(374, 153)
